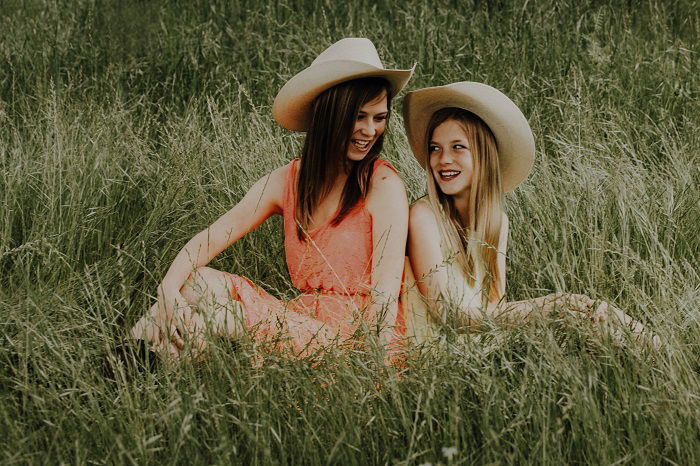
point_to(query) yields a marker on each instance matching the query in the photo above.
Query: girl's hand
(166, 316)
(149, 330)
(192, 328)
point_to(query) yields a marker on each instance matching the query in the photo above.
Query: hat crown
(352, 48)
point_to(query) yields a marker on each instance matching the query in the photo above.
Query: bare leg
(206, 290)
(212, 310)
(578, 306)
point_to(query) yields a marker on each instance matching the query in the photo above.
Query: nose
(446, 157)
(368, 127)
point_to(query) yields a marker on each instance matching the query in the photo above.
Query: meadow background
(128, 126)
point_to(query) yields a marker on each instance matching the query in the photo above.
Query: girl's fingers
(175, 337)
(181, 326)
(189, 324)
(168, 351)
(168, 330)
(600, 315)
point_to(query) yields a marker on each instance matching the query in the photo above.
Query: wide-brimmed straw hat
(347, 59)
(516, 145)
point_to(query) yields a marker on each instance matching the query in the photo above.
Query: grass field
(126, 127)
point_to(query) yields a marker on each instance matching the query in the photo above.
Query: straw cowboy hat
(347, 59)
(516, 145)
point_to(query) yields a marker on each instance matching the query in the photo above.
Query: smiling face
(451, 160)
(369, 126)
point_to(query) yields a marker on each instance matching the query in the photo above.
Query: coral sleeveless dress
(332, 268)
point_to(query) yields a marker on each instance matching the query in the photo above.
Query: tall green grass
(126, 127)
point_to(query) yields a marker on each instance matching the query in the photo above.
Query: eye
(380, 118)
(433, 148)
(360, 117)
(459, 147)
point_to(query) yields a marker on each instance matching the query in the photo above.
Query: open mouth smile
(447, 175)
(360, 144)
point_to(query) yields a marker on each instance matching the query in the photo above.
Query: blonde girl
(475, 144)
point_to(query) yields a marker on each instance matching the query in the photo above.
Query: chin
(446, 192)
(358, 156)
(452, 190)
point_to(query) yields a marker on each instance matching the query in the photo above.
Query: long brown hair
(476, 241)
(324, 155)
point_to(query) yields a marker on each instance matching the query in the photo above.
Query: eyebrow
(461, 141)
(380, 113)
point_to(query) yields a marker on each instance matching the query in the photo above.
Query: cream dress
(422, 325)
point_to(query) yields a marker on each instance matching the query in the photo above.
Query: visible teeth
(360, 144)
(448, 173)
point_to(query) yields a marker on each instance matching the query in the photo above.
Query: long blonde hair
(476, 242)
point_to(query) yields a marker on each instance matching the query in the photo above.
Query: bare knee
(204, 275)
(205, 282)
(226, 320)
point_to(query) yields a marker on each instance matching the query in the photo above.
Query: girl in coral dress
(345, 224)
(474, 144)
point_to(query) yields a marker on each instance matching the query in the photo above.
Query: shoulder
(384, 174)
(380, 163)
(421, 213)
(425, 245)
(270, 187)
(421, 209)
(422, 220)
(386, 187)
(275, 180)
(280, 173)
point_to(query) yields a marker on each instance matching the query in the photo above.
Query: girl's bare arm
(388, 205)
(263, 199)
(430, 265)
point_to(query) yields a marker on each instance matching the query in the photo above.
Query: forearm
(384, 312)
(198, 252)
(470, 318)
(517, 312)
(386, 288)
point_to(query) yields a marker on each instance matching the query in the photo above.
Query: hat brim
(516, 144)
(292, 106)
